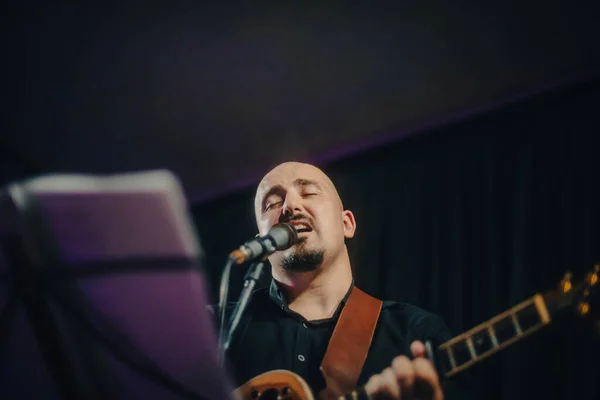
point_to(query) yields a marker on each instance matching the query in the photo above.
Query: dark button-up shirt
(271, 336)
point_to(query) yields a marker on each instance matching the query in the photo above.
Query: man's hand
(407, 379)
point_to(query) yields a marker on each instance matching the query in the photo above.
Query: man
(288, 325)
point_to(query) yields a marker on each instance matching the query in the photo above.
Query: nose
(292, 204)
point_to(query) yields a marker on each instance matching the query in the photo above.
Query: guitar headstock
(583, 296)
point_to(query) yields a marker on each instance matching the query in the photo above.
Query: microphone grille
(284, 236)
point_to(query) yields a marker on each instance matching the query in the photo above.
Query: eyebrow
(306, 182)
(277, 189)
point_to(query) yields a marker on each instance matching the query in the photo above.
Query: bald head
(297, 174)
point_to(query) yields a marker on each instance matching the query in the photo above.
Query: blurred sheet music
(113, 269)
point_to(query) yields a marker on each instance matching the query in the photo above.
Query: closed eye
(269, 206)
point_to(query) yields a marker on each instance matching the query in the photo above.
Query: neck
(316, 294)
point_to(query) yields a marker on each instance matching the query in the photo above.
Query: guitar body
(276, 384)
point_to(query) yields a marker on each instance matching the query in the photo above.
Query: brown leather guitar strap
(349, 344)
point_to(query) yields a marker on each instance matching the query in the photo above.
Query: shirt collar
(278, 297)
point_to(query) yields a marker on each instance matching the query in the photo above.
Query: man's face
(305, 197)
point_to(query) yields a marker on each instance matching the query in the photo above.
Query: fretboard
(492, 336)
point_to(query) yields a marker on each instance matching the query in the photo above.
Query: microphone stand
(251, 279)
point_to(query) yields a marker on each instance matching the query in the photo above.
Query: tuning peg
(565, 284)
(583, 308)
(592, 278)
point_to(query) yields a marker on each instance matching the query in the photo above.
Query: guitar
(466, 349)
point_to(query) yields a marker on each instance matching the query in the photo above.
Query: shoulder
(409, 312)
(411, 318)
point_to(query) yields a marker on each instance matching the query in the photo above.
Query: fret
(451, 357)
(515, 322)
(471, 347)
(492, 334)
(495, 334)
(541, 308)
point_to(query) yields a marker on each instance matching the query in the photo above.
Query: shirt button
(304, 325)
(301, 357)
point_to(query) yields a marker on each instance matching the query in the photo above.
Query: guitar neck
(505, 329)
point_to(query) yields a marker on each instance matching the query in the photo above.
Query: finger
(427, 379)
(404, 373)
(392, 387)
(381, 386)
(372, 386)
(417, 349)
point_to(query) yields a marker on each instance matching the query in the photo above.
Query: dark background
(218, 91)
(462, 135)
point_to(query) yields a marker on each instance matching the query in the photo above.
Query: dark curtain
(467, 221)
(13, 166)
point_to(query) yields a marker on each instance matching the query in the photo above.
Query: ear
(349, 224)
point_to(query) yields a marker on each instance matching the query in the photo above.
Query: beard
(303, 260)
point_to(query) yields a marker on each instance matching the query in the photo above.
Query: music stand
(102, 294)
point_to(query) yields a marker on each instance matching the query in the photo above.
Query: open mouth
(302, 227)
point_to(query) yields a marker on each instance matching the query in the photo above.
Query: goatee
(303, 260)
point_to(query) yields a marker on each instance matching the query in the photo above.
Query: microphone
(280, 237)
